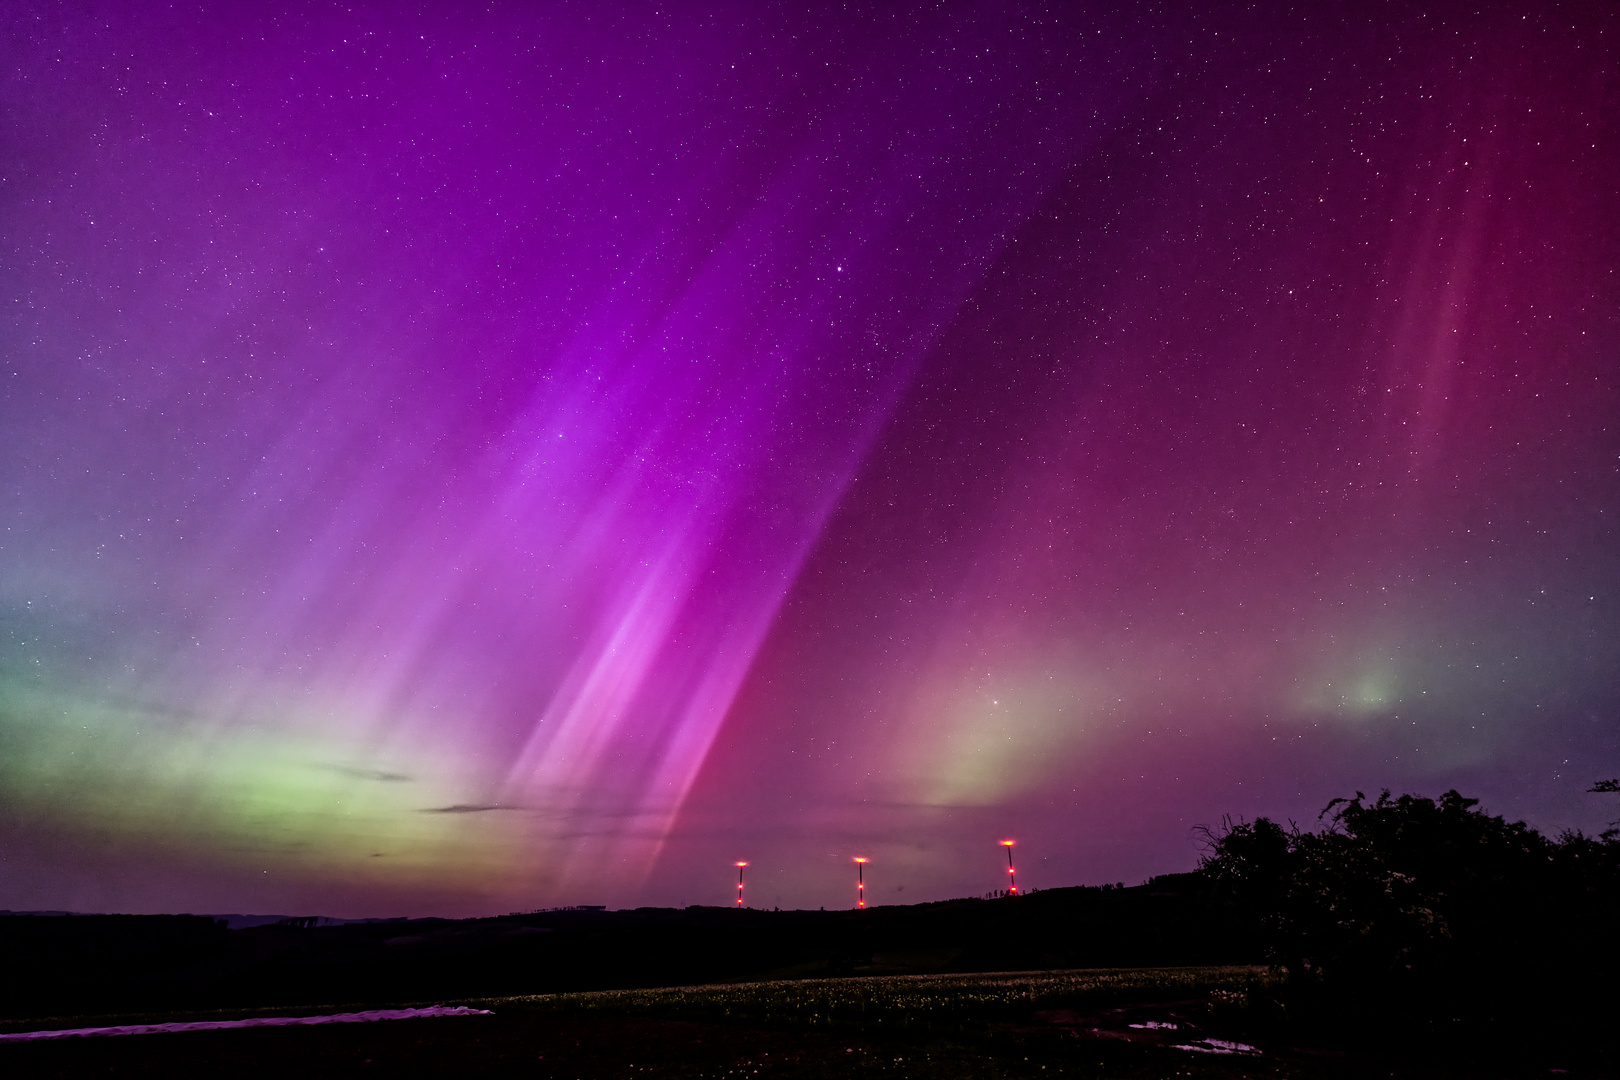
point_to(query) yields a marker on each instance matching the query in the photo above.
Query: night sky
(460, 461)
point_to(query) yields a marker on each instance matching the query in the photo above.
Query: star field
(457, 462)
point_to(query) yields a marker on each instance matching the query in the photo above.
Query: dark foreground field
(1099, 1023)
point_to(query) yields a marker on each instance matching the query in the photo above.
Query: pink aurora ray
(514, 383)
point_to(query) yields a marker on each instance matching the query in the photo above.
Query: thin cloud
(380, 775)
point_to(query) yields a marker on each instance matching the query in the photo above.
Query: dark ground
(587, 1044)
(886, 992)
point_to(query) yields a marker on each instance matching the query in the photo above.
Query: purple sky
(456, 463)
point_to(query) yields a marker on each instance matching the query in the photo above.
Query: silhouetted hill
(97, 963)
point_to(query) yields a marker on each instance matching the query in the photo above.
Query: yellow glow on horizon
(977, 746)
(286, 794)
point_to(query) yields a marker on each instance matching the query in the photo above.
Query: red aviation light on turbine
(1012, 875)
(860, 880)
(739, 866)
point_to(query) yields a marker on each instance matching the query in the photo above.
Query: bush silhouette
(1420, 910)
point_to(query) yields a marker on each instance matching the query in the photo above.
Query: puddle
(1217, 1046)
(252, 1021)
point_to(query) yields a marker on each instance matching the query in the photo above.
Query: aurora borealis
(457, 462)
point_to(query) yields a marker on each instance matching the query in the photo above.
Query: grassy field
(1128, 1023)
(922, 1003)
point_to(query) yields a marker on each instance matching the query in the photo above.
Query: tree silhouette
(1412, 907)
(1608, 787)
